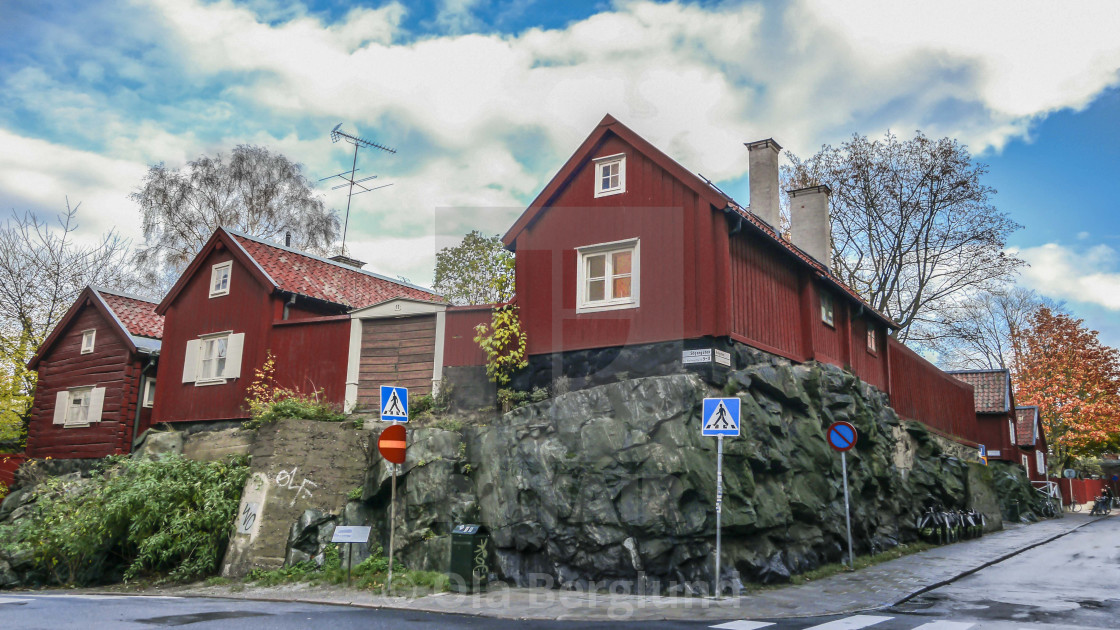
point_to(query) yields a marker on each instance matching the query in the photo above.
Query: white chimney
(763, 164)
(809, 222)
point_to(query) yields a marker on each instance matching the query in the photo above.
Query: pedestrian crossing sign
(394, 404)
(721, 417)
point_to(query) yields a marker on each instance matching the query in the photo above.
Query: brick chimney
(763, 164)
(810, 228)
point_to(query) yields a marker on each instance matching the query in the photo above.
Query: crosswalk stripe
(851, 623)
(945, 625)
(743, 625)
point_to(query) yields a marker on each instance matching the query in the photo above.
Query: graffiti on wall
(286, 479)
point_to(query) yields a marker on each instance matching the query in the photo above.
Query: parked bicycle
(1073, 506)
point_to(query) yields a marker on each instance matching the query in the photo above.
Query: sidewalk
(871, 588)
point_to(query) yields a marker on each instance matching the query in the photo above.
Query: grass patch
(369, 574)
(862, 562)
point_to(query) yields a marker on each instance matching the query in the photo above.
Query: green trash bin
(470, 557)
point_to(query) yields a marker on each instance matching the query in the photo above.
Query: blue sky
(485, 99)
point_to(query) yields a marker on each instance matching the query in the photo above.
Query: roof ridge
(292, 250)
(123, 294)
(979, 371)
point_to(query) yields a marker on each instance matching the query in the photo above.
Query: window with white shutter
(217, 358)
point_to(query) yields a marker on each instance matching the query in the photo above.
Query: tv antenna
(358, 143)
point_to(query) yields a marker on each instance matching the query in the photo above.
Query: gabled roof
(993, 388)
(702, 187)
(135, 319)
(1026, 425)
(291, 271)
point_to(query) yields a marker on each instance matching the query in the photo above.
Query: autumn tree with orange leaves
(1073, 378)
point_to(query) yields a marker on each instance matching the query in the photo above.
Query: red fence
(9, 463)
(920, 391)
(459, 347)
(1084, 490)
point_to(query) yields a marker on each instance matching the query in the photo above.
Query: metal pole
(349, 561)
(719, 508)
(847, 508)
(1072, 500)
(346, 223)
(392, 519)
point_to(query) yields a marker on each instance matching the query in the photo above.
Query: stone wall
(297, 466)
(616, 482)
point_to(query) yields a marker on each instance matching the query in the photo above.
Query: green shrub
(367, 574)
(168, 518)
(292, 405)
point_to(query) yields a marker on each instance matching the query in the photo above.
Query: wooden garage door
(396, 351)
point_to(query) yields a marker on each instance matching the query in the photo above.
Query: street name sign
(394, 403)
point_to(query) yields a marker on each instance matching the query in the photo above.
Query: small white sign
(994, 453)
(723, 358)
(248, 517)
(351, 534)
(691, 357)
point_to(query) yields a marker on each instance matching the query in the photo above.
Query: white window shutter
(234, 349)
(96, 404)
(190, 361)
(61, 403)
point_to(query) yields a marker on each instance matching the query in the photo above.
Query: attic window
(610, 175)
(872, 341)
(219, 278)
(88, 337)
(827, 309)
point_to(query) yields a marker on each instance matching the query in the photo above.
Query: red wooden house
(97, 377)
(1031, 440)
(995, 416)
(242, 297)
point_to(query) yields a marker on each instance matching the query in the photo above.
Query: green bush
(168, 518)
(293, 406)
(367, 574)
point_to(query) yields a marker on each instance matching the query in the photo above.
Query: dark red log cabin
(242, 297)
(625, 247)
(994, 408)
(1031, 440)
(97, 375)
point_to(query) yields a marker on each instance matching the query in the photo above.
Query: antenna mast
(358, 143)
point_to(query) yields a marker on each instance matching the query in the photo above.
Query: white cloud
(1090, 275)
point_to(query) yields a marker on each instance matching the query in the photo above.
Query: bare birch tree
(42, 270)
(980, 332)
(913, 226)
(253, 190)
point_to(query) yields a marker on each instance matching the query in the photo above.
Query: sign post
(842, 437)
(350, 535)
(720, 418)
(392, 444)
(1070, 473)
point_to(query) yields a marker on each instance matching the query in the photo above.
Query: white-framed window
(872, 341)
(1011, 427)
(608, 276)
(88, 338)
(219, 278)
(1040, 462)
(79, 406)
(213, 359)
(149, 399)
(610, 175)
(1026, 463)
(827, 309)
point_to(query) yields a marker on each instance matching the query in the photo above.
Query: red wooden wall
(111, 366)
(459, 347)
(992, 432)
(9, 464)
(683, 261)
(766, 309)
(1084, 490)
(311, 355)
(248, 308)
(920, 391)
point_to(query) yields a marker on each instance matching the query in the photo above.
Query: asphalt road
(1073, 582)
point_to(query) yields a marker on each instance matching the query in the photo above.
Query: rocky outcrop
(615, 482)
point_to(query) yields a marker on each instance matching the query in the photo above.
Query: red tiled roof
(991, 388)
(1025, 419)
(137, 314)
(325, 280)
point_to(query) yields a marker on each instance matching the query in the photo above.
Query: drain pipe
(140, 399)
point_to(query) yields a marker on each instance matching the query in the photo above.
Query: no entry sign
(841, 436)
(392, 443)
